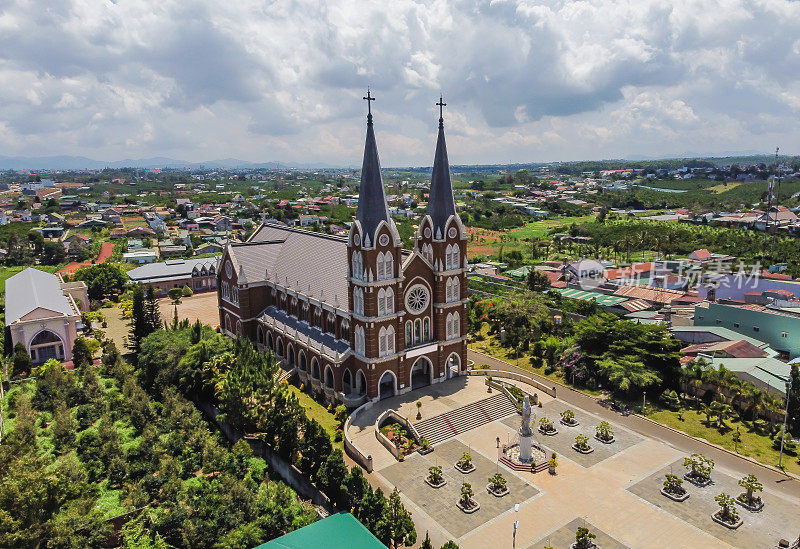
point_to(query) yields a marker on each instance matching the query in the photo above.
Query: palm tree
(627, 373)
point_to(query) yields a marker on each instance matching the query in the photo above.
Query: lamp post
(785, 420)
(516, 525)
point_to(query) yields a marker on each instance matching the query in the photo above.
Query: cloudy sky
(282, 80)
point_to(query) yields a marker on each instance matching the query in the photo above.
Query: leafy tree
(395, 526)
(175, 295)
(330, 477)
(751, 485)
(727, 511)
(626, 373)
(102, 280)
(537, 281)
(450, 545)
(583, 538)
(186, 291)
(426, 543)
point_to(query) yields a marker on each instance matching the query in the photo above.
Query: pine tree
(22, 361)
(138, 323)
(151, 312)
(395, 526)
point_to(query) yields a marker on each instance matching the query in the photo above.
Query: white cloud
(525, 80)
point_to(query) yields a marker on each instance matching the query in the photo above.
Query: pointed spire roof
(372, 207)
(441, 204)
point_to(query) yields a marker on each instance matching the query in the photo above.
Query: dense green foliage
(243, 383)
(86, 447)
(104, 280)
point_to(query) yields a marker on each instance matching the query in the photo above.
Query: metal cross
(369, 100)
(441, 104)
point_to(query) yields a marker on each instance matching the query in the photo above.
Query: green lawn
(315, 410)
(754, 445)
(538, 229)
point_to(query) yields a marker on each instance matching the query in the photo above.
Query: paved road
(771, 478)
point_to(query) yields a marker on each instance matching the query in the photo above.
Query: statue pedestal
(525, 454)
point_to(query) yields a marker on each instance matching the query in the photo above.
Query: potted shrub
(604, 433)
(546, 427)
(497, 485)
(727, 514)
(673, 488)
(425, 446)
(465, 464)
(465, 502)
(583, 539)
(419, 410)
(582, 445)
(435, 477)
(552, 463)
(568, 418)
(748, 499)
(700, 468)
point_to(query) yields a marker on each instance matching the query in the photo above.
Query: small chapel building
(359, 318)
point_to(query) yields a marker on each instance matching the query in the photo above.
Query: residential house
(199, 274)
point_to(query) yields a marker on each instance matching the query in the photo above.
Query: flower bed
(399, 437)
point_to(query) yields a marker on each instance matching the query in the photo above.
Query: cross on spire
(441, 104)
(369, 99)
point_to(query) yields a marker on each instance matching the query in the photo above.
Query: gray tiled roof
(171, 269)
(303, 258)
(31, 289)
(325, 344)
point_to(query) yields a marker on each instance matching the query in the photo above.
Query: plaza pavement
(615, 493)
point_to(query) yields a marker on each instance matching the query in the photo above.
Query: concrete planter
(759, 505)
(475, 506)
(604, 441)
(465, 471)
(588, 449)
(731, 526)
(675, 497)
(425, 451)
(592, 546)
(505, 492)
(550, 433)
(574, 423)
(702, 483)
(432, 485)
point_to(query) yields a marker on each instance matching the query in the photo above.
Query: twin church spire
(372, 206)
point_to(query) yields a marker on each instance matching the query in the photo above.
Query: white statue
(525, 426)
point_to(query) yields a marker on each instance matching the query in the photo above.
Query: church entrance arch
(387, 386)
(421, 373)
(453, 365)
(46, 345)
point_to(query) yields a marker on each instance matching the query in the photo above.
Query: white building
(43, 312)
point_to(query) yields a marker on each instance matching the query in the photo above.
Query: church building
(360, 317)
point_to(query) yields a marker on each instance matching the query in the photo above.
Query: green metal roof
(340, 531)
(602, 299)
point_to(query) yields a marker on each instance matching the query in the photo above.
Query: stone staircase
(461, 420)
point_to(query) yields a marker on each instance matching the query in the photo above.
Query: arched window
(427, 252)
(304, 311)
(455, 255)
(448, 291)
(409, 333)
(417, 331)
(235, 295)
(345, 331)
(447, 257)
(386, 341)
(456, 289)
(228, 323)
(389, 298)
(388, 262)
(448, 326)
(426, 329)
(358, 266)
(318, 318)
(359, 340)
(330, 324)
(381, 271)
(358, 301)
(456, 325)
(294, 310)
(381, 302)
(453, 327)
